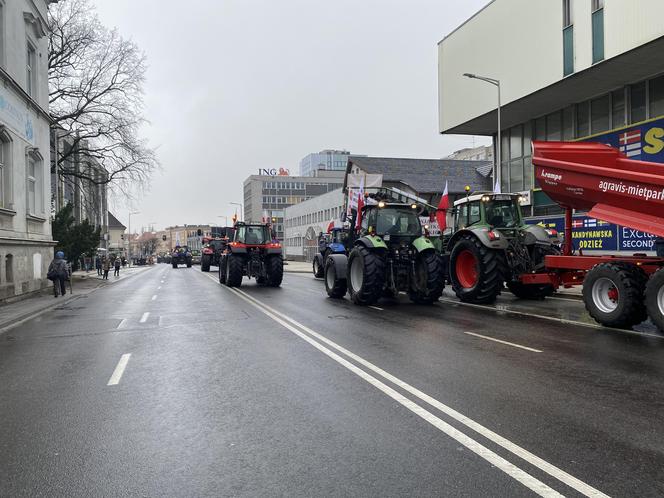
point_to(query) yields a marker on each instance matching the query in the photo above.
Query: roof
(427, 176)
(113, 222)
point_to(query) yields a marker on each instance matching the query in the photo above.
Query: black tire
(234, 270)
(530, 291)
(222, 273)
(490, 271)
(318, 267)
(655, 300)
(366, 286)
(429, 279)
(335, 285)
(175, 265)
(189, 263)
(613, 294)
(205, 263)
(274, 265)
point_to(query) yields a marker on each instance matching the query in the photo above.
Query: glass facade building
(330, 160)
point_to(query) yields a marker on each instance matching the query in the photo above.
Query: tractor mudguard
(239, 250)
(337, 248)
(340, 264)
(372, 242)
(536, 233)
(482, 234)
(273, 251)
(422, 244)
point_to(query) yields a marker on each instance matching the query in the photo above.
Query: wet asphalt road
(283, 392)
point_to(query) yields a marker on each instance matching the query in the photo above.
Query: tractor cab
(252, 235)
(494, 211)
(391, 221)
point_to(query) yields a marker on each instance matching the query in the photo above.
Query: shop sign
(644, 142)
(588, 234)
(274, 172)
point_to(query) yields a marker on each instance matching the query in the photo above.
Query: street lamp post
(129, 237)
(225, 219)
(241, 209)
(497, 173)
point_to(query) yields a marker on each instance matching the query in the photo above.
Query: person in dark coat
(107, 267)
(58, 272)
(116, 265)
(98, 265)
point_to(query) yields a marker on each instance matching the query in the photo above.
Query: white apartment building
(26, 245)
(304, 221)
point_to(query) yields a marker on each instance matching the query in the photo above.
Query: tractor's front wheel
(318, 267)
(530, 291)
(613, 294)
(222, 271)
(275, 270)
(205, 263)
(428, 280)
(175, 265)
(336, 285)
(476, 271)
(234, 265)
(366, 276)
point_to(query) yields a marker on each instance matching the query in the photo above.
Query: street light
(496, 169)
(241, 209)
(129, 236)
(225, 218)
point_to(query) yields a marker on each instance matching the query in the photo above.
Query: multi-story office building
(481, 153)
(266, 197)
(330, 160)
(568, 70)
(26, 245)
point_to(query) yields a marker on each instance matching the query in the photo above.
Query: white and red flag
(630, 143)
(360, 205)
(441, 212)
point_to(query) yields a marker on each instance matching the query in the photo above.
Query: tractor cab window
(255, 235)
(502, 213)
(468, 214)
(394, 221)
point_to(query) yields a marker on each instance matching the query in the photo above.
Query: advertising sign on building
(644, 142)
(15, 115)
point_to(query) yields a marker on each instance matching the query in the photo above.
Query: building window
(598, 30)
(30, 70)
(9, 269)
(637, 103)
(34, 183)
(568, 123)
(599, 115)
(656, 97)
(582, 119)
(554, 126)
(5, 172)
(618, 114)
(568, 38)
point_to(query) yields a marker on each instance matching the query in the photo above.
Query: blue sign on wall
(588, 234)
(644, 142)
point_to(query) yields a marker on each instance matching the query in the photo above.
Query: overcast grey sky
(237, 85)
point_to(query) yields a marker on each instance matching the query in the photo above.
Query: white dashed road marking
(144, 318)
(119, 370)
(503, 342)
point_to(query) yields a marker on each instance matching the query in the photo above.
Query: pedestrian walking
(98, 265)
(106, 267)
(58, 273)
(116, 265)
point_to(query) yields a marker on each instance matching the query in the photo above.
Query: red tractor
(213, 248)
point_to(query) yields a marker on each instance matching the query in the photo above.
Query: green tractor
(492, 247)
(389, 255)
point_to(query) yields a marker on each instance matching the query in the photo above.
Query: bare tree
(96, 97)
(149, 246)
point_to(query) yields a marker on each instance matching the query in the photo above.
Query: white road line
(122, 323)
(503, 342)
(493, 458)
(549, 318)
(119, 370)
(154, 297)
(376, 308)
(159, 288)
(534, 460)
(144, 318)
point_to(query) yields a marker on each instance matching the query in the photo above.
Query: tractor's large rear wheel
(366, 275)
(275, 270)
(613, 294)
(476, 271)
(428, 280)
(530, 291)
(205, 262)
(234, 270)
(222, 271)
(655, 298)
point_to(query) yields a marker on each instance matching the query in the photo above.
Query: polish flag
(496, 188)
(333, 224)
(441, 212)
(360, 205)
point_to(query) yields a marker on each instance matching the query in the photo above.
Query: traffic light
(163, 237)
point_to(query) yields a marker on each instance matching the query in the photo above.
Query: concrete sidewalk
(83, 283)
(298, 267)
